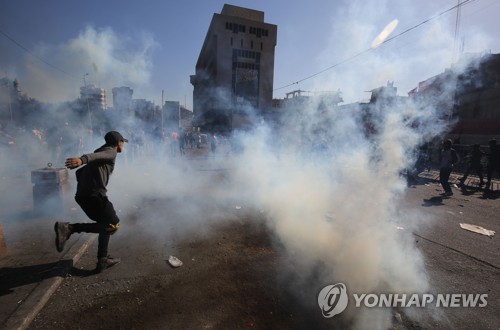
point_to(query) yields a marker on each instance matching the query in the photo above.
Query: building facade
(186, 119)
(469, 98)
(9, 100)
(122, 98)
(94, 97)
(233, 84)
(171, 115)
(478, 101)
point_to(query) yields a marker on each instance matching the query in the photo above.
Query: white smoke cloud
(362, 69)
(111, 60)
(333, 202)
(335, 207)
(339, 209)
(330, 192)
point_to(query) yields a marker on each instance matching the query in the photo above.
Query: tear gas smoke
(336, 208)
(330, 190)
(110, 59)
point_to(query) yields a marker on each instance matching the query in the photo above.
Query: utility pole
(88, 107)
(10, 91)
(457, 32)
(161, 109)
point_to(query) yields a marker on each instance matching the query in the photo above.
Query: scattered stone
(174, 262)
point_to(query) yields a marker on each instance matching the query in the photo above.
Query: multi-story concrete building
(467, 95)
(478, 101)
(122, 98)
(233, 84)
(186, 119)
(94, 97)
(9, 100)
(143, 109)
(171, 115)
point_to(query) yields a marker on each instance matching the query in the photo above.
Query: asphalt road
(457, 260)
(235, 274)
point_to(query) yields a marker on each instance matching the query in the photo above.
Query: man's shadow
(468, 190)
(490, 194)
(486, 193)
(82, 272)
(13, 277)
(434, 201)
(413, 180)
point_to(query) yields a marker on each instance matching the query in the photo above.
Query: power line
(385, 41)
(35, 56)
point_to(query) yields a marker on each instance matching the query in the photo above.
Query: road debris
(174, 262)
(477, 229)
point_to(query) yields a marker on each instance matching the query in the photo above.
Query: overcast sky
(153, 45)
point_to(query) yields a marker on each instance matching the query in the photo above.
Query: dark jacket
(94, 176)
(476, 157)
(494, 157)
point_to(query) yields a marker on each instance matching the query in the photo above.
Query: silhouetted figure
(475, 164)
(174, 143)
(182, 142)
(493, 161)
(213, 144)
(447, 158)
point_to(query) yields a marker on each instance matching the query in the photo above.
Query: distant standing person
(213, 144)
(447, 158)
(475, 164)
(91, 196)
(174, 143)
(182, 142)
(493, 161)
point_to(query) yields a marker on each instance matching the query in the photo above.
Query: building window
(232, 41)
(236, 27)
(261, 46)
(258, 32)
(246, 54)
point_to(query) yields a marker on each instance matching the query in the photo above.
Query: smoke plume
(330, 190)
(109, 59)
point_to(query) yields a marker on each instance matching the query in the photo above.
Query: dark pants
(101, 210)
(444, 176)
(490, 170)
(476, 167)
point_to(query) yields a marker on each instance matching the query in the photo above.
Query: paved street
(235, 273)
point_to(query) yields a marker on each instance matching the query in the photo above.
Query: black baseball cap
(113, 137)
